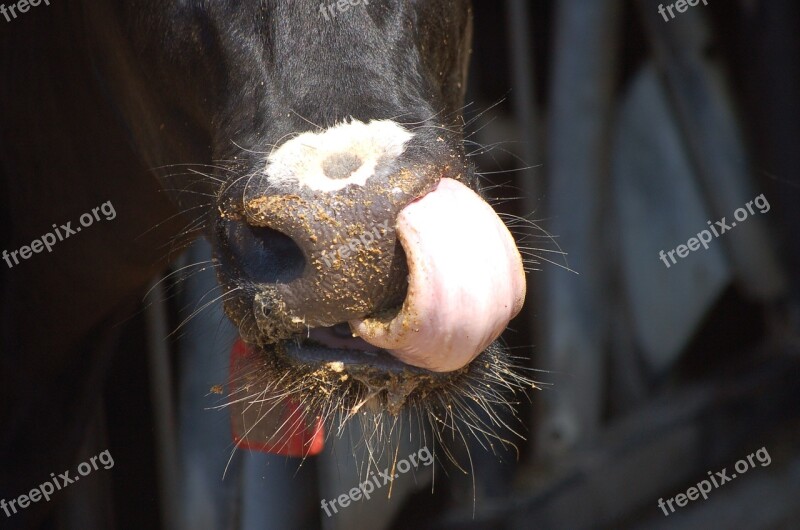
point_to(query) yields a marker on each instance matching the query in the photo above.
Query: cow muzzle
(359, 248)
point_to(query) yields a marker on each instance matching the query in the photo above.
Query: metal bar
(163, 402)
(574, 317)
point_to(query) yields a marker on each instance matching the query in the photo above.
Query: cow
(319, 147)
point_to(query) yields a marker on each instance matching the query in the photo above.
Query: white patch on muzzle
(345, 154)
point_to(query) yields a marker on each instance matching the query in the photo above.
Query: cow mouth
(337, 346)
(287, 396)
(352, 361)
(350, 349)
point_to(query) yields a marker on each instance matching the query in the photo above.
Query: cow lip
(389, 383)
(335, 347)
(351, 358)
(341, 337)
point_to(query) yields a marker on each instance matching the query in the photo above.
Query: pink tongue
(465, 282)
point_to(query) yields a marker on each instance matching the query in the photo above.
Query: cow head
(356, 257)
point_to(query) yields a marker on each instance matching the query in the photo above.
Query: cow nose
(319, 230)
(325, 259)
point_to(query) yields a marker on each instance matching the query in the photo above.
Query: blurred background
(620, 135)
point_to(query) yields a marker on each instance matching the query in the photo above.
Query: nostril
(265, 255)
(341, 165)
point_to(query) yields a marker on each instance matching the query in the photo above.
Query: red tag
(284, 430)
